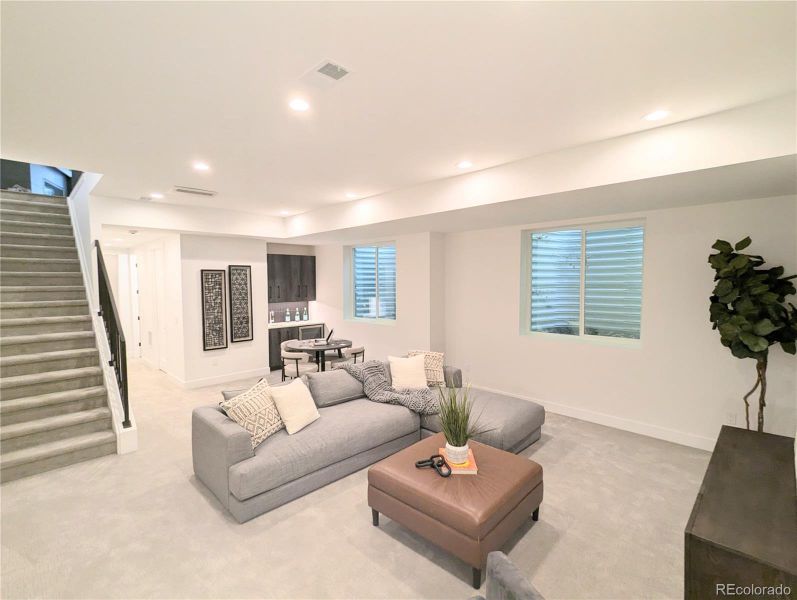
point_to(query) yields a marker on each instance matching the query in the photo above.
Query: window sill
(367, 321)
(595, 340)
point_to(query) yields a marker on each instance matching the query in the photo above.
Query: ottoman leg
(375, 517)
(535, 516)
(477, 578)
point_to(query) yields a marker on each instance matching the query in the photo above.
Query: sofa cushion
(433, 365)
(295, 405)
(343, 430)
(506, 419)
(333, 387)
(407, 373)
(255, 411)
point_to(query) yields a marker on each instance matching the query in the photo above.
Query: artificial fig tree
(748, 307)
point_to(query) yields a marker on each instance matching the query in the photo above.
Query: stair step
(28, 216)
(28, 408)
(43, 308)
(38, 278)
(34, 325)
(43, 457)
(53, 381)
(35, 206)
(31, 197)
(58, 360)
(17, 264)
(31, 251)
(46, 342)
(26, 293)
(38, 239)
(58, 427)
(7, 225)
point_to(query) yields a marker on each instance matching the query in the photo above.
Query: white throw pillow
(408, 373)
(433, 363)
(295, 405)
(254, 410)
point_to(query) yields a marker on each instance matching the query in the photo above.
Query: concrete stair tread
(45, 337)
(30, 196)
(64, 226)
(49, 376)
(43, 273)
(60, 208)
(31, 259)
(43, 451)
(42, 303)
(44, 320)
(17, 359)
(55, 422)
(41, 288)
(54, 398)
(19, 234)
(12, 212)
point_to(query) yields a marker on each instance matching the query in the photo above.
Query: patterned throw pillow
(255, 411)
(433, 365)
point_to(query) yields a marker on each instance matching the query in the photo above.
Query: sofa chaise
(352, 433)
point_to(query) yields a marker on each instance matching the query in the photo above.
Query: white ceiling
(137, 91)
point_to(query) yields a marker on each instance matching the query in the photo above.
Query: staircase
(53, 403)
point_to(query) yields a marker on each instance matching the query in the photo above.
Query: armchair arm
(217, 443)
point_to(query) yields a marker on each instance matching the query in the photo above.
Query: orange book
(467, 468)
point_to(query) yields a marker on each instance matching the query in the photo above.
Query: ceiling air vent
(332, 70)
(195, 191)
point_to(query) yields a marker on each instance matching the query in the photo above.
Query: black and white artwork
(214, 313)
(240, 303)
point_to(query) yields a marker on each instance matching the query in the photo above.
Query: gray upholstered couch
(352, 433)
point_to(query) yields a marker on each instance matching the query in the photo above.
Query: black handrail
(113, 329)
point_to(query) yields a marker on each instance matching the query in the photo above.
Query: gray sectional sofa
(352, 433)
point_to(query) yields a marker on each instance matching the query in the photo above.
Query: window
(587, 281)
(374, 281)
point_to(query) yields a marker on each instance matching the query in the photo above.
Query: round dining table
(319, 350)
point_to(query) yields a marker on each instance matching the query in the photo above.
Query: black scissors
(437, 462)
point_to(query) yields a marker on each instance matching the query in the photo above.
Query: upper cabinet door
(308, 277)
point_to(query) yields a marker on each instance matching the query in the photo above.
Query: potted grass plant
(455, 418)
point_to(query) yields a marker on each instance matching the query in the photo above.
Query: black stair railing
(113, 329)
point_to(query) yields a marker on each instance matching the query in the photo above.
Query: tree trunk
(747, 395)
(761, 370)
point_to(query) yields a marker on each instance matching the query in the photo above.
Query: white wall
(411, 329)
(679, 383)
(238, 360)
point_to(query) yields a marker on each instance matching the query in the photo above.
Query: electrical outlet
(730, 418)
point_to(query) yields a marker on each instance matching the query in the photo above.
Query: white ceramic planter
(457, 454)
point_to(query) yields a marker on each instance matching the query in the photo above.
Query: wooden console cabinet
(743, 527)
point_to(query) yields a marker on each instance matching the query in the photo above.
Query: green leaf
(765, 327)
(775, 272)
(768, 298)
(758, 289)
(739, 350)
(723, 287)
(729, 330)
(741, 245)
(753, 342)
(728, 298)
(745, 306)
(718, 261)
(739, 262)
(722, 246)
(790, 347)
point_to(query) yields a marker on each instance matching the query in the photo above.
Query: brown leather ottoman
(467, 515)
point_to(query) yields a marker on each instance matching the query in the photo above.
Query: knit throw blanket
(373, 376)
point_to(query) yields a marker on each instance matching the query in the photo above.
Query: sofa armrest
(505, 581)
(453, 376)
(217, 443)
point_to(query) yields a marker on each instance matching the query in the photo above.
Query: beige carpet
(141, 525)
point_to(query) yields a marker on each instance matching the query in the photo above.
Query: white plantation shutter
(596, 270)
(613, 282)
(556, 281)
(374, 276)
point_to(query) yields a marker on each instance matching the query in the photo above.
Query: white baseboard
(654, 431)
(206, 381)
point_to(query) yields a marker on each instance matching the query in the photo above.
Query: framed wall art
(214, 313)
(241, 329)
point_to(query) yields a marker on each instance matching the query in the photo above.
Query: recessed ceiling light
(201, 166)
(464, 164)
(285, 213)
(352, 195)
(156, 196)
(657, 115)
(299, 104)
